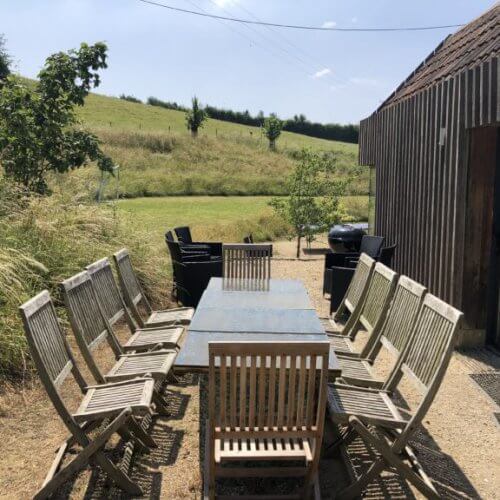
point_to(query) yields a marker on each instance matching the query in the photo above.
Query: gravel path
(459, 446)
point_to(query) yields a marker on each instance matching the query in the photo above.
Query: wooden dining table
(251, 310)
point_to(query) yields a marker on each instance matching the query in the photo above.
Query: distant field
(114, 113)
(158, 157)
(229, 218)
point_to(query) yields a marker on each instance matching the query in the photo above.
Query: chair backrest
(47, 342)
(50, 351)
(387, 254)
(371, 312)
(87, 320)
(108, 293)
(247, 261)
(278, 386)
(174, 249)
(427, 355)
(358, 286)
(183, 234)
(371, 245)
(169, 236)
(130, 286)
(398, 324)
(432, 342)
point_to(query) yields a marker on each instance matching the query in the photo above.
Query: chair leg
(208, 469)
(140, 434)
(161, 404)
(344, 439)
(354, 490)
(392, 458)
(93, 451)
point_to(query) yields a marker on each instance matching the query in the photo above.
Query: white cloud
(322, 72)
(370, 82)
(354, 20)
(329, 24)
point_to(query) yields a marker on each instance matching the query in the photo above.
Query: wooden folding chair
(90, 328)
(393, 335)
(115, 407)
(368, 314)
(354, 296)
(114, 309)
(134, 295)
(372, 415)
(250, 261)
(266, 402)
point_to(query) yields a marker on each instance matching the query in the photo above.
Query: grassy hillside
(157, 156)
(114, 113)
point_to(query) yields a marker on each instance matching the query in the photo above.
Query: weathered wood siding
(421, 185)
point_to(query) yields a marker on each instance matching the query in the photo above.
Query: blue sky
(328, 76)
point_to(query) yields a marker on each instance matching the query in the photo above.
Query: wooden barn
(434, 150)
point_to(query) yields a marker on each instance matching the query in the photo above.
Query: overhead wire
(253, 41)
(298, 26)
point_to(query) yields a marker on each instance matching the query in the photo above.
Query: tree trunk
(298, 246)
(194, 133)
(272, 144)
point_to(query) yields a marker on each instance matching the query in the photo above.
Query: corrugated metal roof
(475, 42)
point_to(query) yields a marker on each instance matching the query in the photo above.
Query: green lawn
(217, 217)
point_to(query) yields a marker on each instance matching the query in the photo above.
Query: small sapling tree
(39, 131)
(195, 117)
(272, 128)
(314, 191)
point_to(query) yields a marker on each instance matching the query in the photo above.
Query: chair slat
(223, 387)
(272, 392)
(292, 389)
(262, 392)
(243, 391)
(311, 386)
(281, 391)
(233, 401)
(253, 390)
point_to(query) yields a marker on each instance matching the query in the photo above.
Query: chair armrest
(195, 257)
(214, 248)
(338, 259)
(351, 262)
(192, 247)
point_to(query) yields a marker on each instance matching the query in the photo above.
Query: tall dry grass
(44, 240)
(156, 163)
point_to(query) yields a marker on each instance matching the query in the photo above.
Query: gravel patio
(458, 447)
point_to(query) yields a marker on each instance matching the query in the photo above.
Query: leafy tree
(313, 202)
(195, 117)
(39, 131)
(272, 129)
(4, 60)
